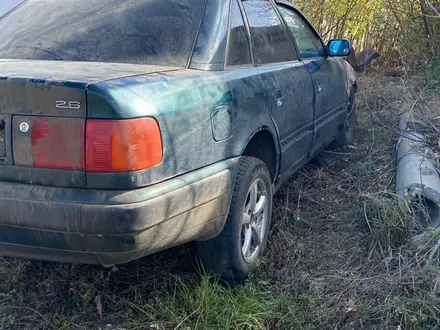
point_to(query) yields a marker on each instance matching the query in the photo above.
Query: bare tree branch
(431, 6)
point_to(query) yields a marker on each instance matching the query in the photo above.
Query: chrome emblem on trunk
(75, 105)
(24, 127)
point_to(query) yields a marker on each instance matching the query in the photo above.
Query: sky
(6, 5)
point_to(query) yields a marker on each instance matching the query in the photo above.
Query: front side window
(239, 52)
(309, 44)
(271, 41)
(160, 32)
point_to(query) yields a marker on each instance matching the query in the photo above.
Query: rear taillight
(122, 145)
(91, 145)
(56, 143)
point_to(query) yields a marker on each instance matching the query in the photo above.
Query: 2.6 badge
(75, 105)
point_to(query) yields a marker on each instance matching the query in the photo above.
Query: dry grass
(339, 257)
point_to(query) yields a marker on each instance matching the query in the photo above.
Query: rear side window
(239, 51)
(271, 41)
(128, 31)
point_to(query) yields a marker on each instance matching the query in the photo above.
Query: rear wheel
(236, 251)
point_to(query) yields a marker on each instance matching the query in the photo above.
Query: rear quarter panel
(184, 104)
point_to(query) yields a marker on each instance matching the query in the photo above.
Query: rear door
(288, 84)
(331, 100)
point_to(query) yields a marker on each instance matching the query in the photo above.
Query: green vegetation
(432, 76)
(402, 30)
(207, 304)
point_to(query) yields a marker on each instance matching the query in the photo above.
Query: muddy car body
(119, 142)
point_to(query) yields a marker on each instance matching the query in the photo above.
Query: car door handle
(279, 97)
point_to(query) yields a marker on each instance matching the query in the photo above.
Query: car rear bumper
(113, 227)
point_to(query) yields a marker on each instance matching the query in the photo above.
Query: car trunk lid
(43, 110)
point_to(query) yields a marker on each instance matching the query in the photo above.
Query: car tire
(236, 251)
(347, 135)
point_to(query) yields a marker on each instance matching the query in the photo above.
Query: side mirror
(339, 47)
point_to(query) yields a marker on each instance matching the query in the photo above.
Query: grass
(207, 304)
(340, 257)
(390, 223)
(432, 76)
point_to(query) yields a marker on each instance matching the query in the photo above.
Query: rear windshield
(158, 32)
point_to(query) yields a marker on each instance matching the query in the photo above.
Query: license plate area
(2, 139)
(5, 140)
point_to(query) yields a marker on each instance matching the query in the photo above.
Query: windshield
(158, 32)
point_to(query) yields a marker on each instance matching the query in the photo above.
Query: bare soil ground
(338, 257)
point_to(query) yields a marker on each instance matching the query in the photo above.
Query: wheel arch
(263, 145)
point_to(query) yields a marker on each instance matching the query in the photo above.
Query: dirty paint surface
(208, 114)
(204, 116)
